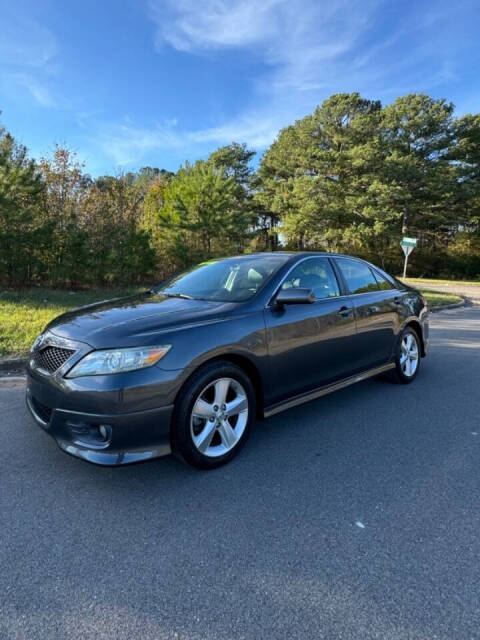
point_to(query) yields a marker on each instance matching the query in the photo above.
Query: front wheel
(213, 415)
(407, 358)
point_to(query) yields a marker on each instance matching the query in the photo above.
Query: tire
(407, 357)
(213, 415)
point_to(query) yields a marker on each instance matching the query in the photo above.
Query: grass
(438, 299)
(428, 281)
(24, 313)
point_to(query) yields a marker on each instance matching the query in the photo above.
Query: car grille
(51, 358)
(42, 411)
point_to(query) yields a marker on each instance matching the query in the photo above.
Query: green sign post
(408, 245)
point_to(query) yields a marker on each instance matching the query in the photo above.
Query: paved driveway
(356, 516)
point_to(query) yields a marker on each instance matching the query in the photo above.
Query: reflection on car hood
(136, 320)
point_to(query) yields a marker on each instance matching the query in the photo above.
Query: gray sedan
(188, 366)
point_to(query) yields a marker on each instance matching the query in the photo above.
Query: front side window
(358, 276)
(228, 280)
(315, 274)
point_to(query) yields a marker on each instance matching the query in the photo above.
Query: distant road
(355, 517)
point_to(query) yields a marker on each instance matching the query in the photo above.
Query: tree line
(353, 176)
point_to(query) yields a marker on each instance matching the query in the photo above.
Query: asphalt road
(356, 516)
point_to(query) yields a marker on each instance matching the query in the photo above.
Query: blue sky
(135, 82)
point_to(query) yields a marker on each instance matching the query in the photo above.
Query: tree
(149, 223)
(97, 237)
(417, 132)
(234, 159)
(464, 153)
(354, 176)
(317, 176)
(120, 237)
(66, 187)
(22, 229)
(199, 217)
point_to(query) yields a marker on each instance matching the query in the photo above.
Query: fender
(417, 323)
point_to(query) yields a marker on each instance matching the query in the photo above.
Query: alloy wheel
(409, 355)
(219, 417)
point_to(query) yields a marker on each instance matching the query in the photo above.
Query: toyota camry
(188, 366)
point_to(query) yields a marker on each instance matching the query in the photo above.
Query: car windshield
(228, 280)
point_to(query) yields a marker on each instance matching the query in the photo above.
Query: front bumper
(71, 411)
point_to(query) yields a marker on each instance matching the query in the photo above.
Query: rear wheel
(407, 358)
(213, 415)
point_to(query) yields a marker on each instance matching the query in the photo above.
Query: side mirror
(295, 295)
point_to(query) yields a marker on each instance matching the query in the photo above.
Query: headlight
(99, 363)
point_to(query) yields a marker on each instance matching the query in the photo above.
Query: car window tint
(315, 274)
(227, 280)
(358, 275)
(383, 283)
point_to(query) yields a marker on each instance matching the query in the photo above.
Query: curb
(8, 382)
(12, 365)
(455, 305)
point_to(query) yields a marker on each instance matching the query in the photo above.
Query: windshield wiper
(177, 295)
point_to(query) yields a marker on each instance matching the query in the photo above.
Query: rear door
(310, 344)
(375, 303)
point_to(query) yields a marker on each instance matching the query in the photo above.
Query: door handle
(344, 312)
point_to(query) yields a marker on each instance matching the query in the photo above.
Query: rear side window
(315, 274)
(383, 283)
(358, 276)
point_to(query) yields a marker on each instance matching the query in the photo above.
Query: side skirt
(323, 391)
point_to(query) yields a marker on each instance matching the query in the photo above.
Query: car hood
(135, 320)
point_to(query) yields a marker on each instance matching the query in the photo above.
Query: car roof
(290, 257)
(290, 254)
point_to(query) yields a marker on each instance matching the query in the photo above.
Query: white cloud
(40, 93)
(298, 40)
(27, 54)
(304, 51)
(299, 44)
(24, 42)
(188, 25)
(127, 144)
(259, 131)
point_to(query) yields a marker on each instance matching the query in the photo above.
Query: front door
(309, 345)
